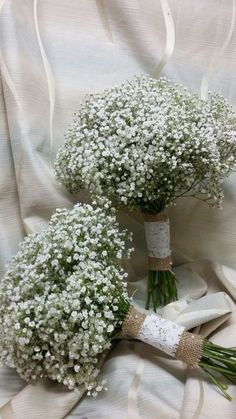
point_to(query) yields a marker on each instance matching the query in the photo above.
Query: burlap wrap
(159, 216)
(157, 264)
(132, 323)
(190, 346)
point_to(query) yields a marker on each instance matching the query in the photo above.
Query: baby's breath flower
(147, 142)
(56, 311)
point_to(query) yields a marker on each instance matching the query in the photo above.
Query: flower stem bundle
(143, 145)
(161, 289)
(195, 351)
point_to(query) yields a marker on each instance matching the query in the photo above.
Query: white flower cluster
(64, 297)
(147, 142)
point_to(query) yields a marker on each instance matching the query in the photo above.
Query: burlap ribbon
(153, 218)
(132, 323)
(190, 348)
(157, 264)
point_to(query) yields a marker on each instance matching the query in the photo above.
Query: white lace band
(158, 238)
(161, 333)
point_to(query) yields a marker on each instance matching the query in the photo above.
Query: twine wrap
(157, 230)
(190, 349)
(152, 218)
(158, 264)
(132, 323)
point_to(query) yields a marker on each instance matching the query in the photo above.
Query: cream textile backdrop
(54, 52)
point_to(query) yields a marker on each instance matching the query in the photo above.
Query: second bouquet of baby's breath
(63, 298)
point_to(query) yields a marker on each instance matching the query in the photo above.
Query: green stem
(219, 361)
(162, 289)
(153, 293)
(148, 294)
(217, 368)
(220, 358)
(217, 348)
(220, 386)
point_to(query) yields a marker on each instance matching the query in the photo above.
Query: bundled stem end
(161, 289)
(218, 361)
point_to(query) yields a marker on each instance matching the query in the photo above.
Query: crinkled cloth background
(53, 53)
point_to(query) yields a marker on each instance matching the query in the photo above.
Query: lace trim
(157, 232)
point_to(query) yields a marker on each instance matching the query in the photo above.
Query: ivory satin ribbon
(7, 412)
(49, 77)
(170, 37)
(42, 400)
(132, 408)
(216, 57)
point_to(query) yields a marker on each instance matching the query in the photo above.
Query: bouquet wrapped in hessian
(64, 300)
(143, 145)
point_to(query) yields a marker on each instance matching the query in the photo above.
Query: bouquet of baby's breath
(143, 145)
(63, 301)
(63, 296)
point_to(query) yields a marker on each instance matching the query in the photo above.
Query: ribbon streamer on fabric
(133, 410)
(170, 37)
(41, 400)
(2, 4)
(50, 79)
(213, 63)
(107, 28)
(6, 412)
(5, 73)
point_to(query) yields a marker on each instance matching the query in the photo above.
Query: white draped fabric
(51, 54)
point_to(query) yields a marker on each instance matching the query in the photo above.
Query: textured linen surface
(51, 54)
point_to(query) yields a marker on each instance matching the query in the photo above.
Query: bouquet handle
(161, 288)
(192, 349)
